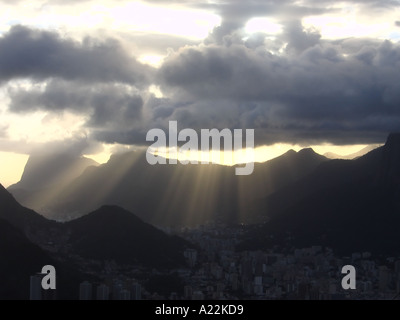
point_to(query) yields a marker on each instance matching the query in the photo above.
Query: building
(187, 292)
(384, 278)
(136, 291)
(103, 292)
(85, 291)
(116, 290)
(124, 295)
(35, 292)
(198, 295)
(191, 257)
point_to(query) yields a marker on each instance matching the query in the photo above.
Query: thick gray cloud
(317, 94)
(104, 104)
(29, 53)
(298, 39)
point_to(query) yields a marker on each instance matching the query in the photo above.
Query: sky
(93, 77)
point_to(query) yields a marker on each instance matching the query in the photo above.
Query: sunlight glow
(11, 167)
(42, 127)
(156, 91)
(101, 158)
(261, 154)
(167, 20)
(108, 15)
(350, 25)
(12, 164)
(152, 60)
(263, 25)
(340, 150)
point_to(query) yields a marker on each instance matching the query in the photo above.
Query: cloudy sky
(92, 77)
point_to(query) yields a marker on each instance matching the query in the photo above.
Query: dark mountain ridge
(171, 195)
(346, 204)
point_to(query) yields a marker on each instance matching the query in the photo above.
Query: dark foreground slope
(28, 242)
(19, 260)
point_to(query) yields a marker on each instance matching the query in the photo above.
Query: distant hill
(171, 195)
(345, 204)
(112, 233)
(51, 170)
(46, 175)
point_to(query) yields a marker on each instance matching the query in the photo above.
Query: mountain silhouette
(37, 228)
(45, 176)
(51, 170)
(179, 194)
(345, 204)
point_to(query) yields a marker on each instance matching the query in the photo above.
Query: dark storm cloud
(34, 54)
(104, 104)
(316, 95)
(129, 137)
(299, 39)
